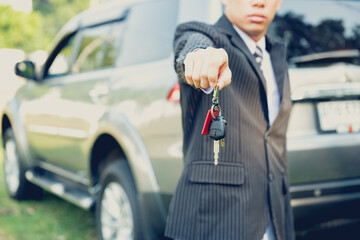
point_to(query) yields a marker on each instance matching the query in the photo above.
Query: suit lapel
(276, 51)
(277, 55)
(226, 27)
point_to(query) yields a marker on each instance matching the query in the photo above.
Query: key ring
(217, 106)
(215, 102)
(215, 99)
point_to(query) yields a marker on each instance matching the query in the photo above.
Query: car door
(84, 97)
(39, 105)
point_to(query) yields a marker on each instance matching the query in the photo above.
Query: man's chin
(256, 33)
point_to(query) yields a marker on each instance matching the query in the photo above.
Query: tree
(305, 38)
(57, 12)
(21, 30)
(34, 31)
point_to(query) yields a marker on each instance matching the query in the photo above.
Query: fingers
(198, 65)
(204, 82)
(213, 74)
(224, 77)
(189, 65)
(204, 67)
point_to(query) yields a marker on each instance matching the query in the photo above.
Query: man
(246, 195)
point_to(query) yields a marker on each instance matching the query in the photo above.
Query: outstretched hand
(208, 67)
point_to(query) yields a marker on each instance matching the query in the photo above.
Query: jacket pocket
(223, 173)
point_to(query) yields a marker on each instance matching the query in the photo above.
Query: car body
(323, 135)
(100, 123)
(9, 81)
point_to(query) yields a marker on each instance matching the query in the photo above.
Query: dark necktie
(258, 55)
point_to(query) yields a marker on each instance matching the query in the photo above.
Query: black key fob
(217, 129)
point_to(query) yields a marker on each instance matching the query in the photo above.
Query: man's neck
(250, 42)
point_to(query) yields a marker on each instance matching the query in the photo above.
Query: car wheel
(117, 211)
(17, 186)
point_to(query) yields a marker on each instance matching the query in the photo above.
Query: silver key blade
(216, 152)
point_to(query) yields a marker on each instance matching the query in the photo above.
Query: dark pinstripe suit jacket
(237, 198)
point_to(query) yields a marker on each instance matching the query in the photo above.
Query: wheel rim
(12, 171)
(116, 215)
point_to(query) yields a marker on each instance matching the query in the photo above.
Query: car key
(216, 152)
(217, 128)
(217, 132)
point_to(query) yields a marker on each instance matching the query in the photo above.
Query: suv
(100, 124)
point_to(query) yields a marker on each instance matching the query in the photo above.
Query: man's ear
(278, 5)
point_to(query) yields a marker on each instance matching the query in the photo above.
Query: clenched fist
(208, 67)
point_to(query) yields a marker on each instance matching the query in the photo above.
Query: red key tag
(205, 130)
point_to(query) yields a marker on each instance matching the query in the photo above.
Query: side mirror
(25, 69)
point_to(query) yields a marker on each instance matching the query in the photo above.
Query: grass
(48, 219)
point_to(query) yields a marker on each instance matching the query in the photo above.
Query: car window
(306, 30)
(113, 44)
(62, 62)
(149, 32)
(98, 47)
(91, 50)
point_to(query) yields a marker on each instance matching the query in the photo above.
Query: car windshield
(319, 32)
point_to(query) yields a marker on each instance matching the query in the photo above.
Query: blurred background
(25, 27)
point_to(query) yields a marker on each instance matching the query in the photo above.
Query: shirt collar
(251, 44)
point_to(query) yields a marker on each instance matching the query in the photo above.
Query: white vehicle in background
(100, 124)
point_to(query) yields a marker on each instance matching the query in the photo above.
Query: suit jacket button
(271, 177)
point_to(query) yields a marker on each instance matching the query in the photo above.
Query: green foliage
(21, 30)
(33, 31)
(57, 12)
(50, 218)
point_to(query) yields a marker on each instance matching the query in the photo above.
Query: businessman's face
(251, 16)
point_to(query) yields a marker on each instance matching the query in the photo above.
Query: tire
(17, 186)
(117, 207)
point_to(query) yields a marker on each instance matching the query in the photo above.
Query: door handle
(98, 91)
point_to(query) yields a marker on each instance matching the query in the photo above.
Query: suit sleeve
(186, 41)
